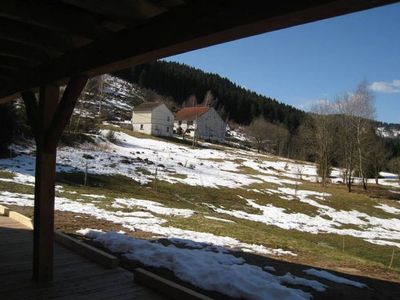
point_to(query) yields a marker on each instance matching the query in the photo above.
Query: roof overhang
(42, 42)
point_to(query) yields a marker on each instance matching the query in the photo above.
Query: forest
(342, 133)
(234, 103)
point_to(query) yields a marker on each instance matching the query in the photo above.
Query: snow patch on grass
(145, 221)
(219, 219)
(388, 209)
(371, 229)
(152, 206)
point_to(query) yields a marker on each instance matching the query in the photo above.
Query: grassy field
(341, 252)
(323, 250)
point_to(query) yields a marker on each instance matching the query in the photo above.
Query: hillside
(235, 103)
(237, 212)
(214, 211)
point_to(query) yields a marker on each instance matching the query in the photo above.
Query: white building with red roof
(200, 121)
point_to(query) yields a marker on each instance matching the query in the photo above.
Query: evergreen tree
(242, 106)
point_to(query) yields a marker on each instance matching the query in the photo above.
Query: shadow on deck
(74, 276)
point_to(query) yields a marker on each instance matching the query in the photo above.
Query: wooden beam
(195, 25)
(64, 110)
(126, 11)
(31, 106)
(13, 62)
(40, 38)
(17, 50)
(48, 118)
(43, 228)
(54, 16)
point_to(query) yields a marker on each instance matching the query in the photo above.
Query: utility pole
(86, 169)
(194, 133)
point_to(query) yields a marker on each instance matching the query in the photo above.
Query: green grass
(318, 249)
(341, 199)
(321, 249)
(5, 174)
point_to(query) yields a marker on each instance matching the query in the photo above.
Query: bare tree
(376, 156)
(267, 136)
(394, 166)
(358, 110)
(258, 132)
(345, 142)
(323, 137)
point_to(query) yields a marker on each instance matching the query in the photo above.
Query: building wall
(210, 126)
(162, 120)
(141, 122)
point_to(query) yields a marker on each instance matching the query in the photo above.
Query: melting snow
(145, 221)
(389, 209)
(334, 278)
(210, 270)
(371, 229)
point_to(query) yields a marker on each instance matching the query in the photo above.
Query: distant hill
(388, 130)
(235, 103)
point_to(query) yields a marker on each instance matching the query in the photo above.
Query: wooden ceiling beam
(57, 17)
(127, 11)
(40, 38)
(13, 62)
(185, 28)
(17, 50)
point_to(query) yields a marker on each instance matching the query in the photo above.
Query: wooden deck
(74, 276)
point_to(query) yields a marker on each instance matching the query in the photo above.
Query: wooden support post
(47, 119)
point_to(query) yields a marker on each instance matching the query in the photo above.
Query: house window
(141, 126)
(168, 119)
(167, 128)
(190, 123)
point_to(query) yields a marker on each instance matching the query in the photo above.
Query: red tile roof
(191, 113)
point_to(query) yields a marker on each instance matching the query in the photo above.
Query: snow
(219, 219)
(389, 209)
(208, 168)
(329, 220)
(154, 207)
(334, 278)
(93, 196)
(209, 270)
(269, 268)
(144, 221)
(132, 153)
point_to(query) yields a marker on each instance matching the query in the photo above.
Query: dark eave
(108, 39)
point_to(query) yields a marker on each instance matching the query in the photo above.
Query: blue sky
(320, 60)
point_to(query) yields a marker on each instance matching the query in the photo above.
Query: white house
(153, 118)
(204, 122)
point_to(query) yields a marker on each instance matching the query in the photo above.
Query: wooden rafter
(13, 62)
(53, 16)
(126, 12)
(40, 38)
(200, 24)
(64, 110)
(31, 54)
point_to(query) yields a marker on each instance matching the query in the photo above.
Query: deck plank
(75, 277)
